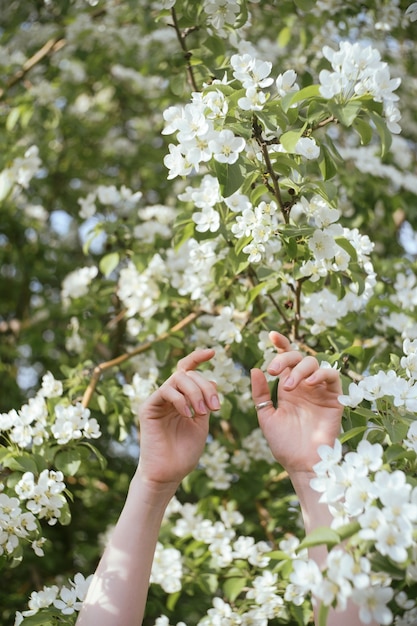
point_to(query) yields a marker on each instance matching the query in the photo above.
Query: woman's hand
(308, 412)
(174, 422)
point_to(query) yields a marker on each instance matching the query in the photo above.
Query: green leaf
(6, 184)
(352, 432)
(182, 233)
(65, 516)
(68, 461)
(364, 130)
(346, 113)
(289, 139)
(298, 96)
(347, 247)
(383, 132)
(207, 582)
(108, 263)
(12, 118)
(284, 37)
(21, 463)
(40, 619)
(233, 586)
(279, 555)
(348, 530)
(101, 459)
(284, 163)
(395, 452)
(327, 165)
(231, 177)
(383, 564)
(320, 536)
(102, 404)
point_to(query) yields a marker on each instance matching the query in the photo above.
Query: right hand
(308, 412)
(174, 422)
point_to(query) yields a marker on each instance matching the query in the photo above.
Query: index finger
(193, 360)
(280, 341)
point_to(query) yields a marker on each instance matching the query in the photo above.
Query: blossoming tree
(181, 173)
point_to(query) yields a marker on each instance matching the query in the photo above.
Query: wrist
(157, 492)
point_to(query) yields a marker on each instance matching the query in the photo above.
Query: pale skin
(174, 424)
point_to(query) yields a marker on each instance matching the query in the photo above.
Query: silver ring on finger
(262, 405)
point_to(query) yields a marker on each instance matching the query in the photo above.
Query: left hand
(308, 412)
(174, 423)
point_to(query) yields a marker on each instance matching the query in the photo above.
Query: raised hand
(174, 422)
(308, 413)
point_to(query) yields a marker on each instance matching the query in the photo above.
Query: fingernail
(215, 403)
(202, 409)
(188, 411)
(274, 369)
(289, 382)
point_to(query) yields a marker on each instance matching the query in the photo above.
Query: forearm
(316, 514)
(118, 592)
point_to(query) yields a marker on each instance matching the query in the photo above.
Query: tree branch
(49, 47)
(102, 367)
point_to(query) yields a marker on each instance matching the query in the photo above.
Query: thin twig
(297, 312)
(187, 54)
(257, 132)
(102, 367)
(325, 122)
(53, 45)
(277, 306)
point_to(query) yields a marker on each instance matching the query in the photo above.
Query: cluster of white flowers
(15, 525)
(31, 424)
(199, 140)
(199, 125)
(401, 388)
(216, 461)
(328, 255)
(76, 283)
(138, 291)
(220, 13)
(73, 341)
(190, 268)
(43, 497)
(73, 422)
(324, 307)
(21, 172)
(121, 200)
(141, 388)
(220, 535)
(218, 464)
(167, 568)
(402, 320)
(358, 488)
(223, 327)
(368, 161)
(358, 71)
(204, 197)
(225, 372)
(260, 223)
(155, 221)
(405, 291)
(265, 604)
(67, 599)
